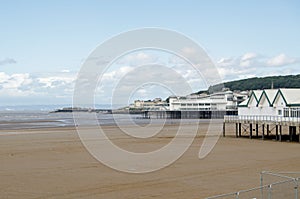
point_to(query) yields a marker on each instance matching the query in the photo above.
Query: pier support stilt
(276, 129)
(256, 129)
(251, 129)
(236, 130)
(280, 133)
(299, 135)
(263, 132)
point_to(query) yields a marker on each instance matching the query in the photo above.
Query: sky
(43, 44)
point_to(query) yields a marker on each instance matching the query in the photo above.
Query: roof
(244, 103)
(253, 94)
(257, 93)
(291, 96)
(269, 94)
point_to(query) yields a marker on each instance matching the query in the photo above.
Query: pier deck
(265, 127)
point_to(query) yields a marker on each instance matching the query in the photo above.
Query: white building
(155, 104)
(272, 102)
(221, 101)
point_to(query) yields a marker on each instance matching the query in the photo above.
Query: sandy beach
(53, 163)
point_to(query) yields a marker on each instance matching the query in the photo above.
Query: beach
(53, 163)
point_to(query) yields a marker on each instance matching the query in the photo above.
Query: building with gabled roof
(272, 102)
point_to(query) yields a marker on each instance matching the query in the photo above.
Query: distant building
(272, 102)
(155, 104)
(220, 101)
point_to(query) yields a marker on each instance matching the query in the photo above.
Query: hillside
(289, 81)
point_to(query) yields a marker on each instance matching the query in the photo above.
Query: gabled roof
(257, 93)
(269, 94)
(253, 95)
(290, 96)
(244, 103)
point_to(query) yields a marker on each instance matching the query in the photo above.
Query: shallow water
(45, 119)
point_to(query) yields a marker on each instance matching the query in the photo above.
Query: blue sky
(44, 43)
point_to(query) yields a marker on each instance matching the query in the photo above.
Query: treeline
(259, 83)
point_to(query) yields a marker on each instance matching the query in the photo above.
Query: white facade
(272, 102)
(156, 104)
(221, 101)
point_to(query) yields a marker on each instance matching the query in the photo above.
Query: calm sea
(29, 119)
(41, 119)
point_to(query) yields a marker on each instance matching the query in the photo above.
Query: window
(294, 112)
(286, 112)
(279, 112)
(229, 98)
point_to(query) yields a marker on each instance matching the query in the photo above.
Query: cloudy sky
(43, 44)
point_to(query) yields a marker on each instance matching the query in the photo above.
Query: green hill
(289, 81)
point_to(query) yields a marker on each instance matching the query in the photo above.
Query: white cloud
(126, 75)
(55, 81)
(252, 64)
(30, 86)
(14, 81)
(248, 60)
(116, 74)
(281, 60)
(248, 56)
(225, 62)
(15, 84)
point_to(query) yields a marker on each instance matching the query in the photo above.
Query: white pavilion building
(272, 102)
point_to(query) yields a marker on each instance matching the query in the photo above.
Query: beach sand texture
(52, 163)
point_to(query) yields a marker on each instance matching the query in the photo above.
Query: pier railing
(261, 118)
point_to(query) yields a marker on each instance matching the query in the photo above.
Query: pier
(277, 128)
(183, 114)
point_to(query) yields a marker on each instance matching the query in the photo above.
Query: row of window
(201, 104)
(291, 112)
(196, 109)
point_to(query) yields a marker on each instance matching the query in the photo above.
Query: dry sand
(52, 163)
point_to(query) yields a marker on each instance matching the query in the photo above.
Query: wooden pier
(265, 127)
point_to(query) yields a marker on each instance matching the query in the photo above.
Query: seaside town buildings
(221, 101)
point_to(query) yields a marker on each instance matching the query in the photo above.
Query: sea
(41, 116)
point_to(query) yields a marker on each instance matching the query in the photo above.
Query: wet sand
(52, 163)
